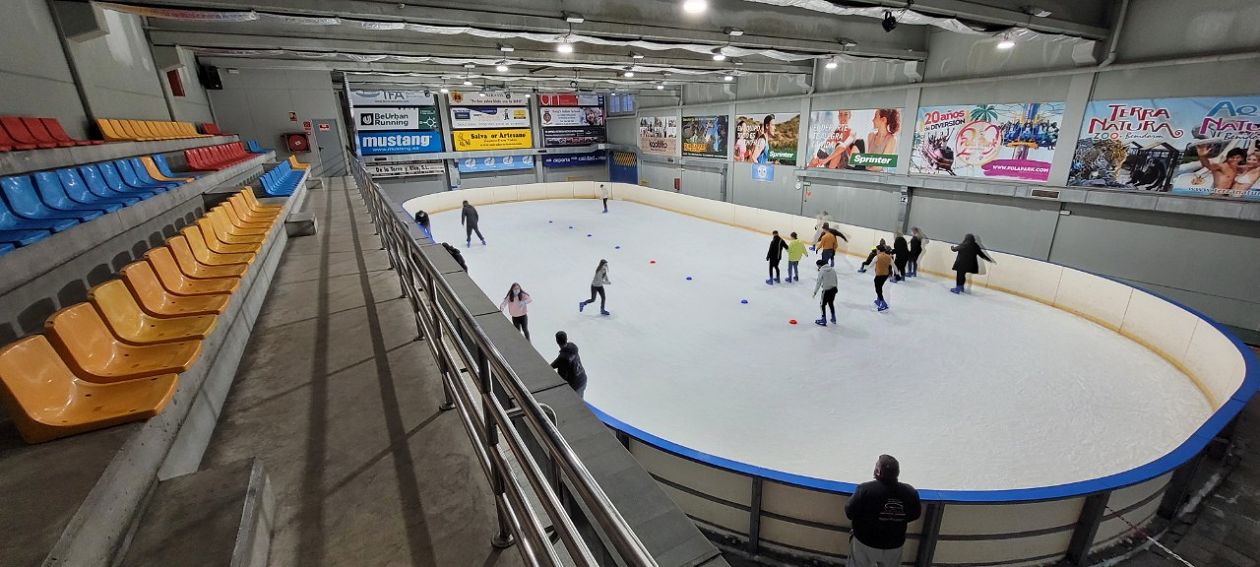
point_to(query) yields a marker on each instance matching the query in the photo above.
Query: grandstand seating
(116, 358)
(282, 180)
(216, 157)
(211, 128)
(30, 132)
(115, 130)
(295, 164)
(252, 146)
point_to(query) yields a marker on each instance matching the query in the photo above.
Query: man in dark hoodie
(468, 218)
(569, 365)
(901, 255)
(774, 256)
(879, 511)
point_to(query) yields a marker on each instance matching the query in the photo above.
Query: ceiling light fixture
(628, 74)
(564, 46)
(832, 64)
(481, 94)
(695, 6)
(847, 42)
(444, 90)
(506, 48)
(502, 67)
(573, 18)
(469, 65)
(1037, 11)
(719, 56)
(636, 55)
(1006, 42)
(728, 78)
(889, 23)
(660, 87)
(467, 83)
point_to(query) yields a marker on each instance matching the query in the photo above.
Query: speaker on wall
(209, 76)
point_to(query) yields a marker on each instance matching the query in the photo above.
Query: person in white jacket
(597, 288)
(828, 283)
(819, 220)
(605, 193)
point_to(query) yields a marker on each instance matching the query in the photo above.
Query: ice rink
(975, 392)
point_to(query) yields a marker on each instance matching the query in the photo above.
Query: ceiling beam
(996, 16)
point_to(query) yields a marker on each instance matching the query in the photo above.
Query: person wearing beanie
(828, 283)
(880, 510)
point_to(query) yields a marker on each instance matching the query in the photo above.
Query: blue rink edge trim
(1169, 462)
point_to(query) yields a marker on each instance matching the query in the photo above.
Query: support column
(1087, 528)
(754, 517)
(1179, 486)
(932, 515)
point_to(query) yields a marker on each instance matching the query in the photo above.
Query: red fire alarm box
(677, 184)
(297, 142)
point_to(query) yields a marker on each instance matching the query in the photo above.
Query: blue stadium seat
(99, 184)
(79, 191)
(11, 221)
(281, 181)
(114, 180)
(253, 147)
(130, 178)
(22, 237)
(143, 174)
(166, 170)
(25, 201)
(54, 195)
(5, 247)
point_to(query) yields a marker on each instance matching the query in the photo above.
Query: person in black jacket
(454, 252)
(917, 240)
(468, 217)
(569, 365)
(879, 511)
(422, 219)
(967, 261)
(901, 255)
(777, 246)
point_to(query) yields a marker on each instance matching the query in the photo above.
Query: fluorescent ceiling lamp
(832, 64)
(573, 18)
(564, 47)
(501, 67)
(506, 48)
(628, 74)
(719, 57)
(728, 78)
(733, 32)
(636, 55)
(695, 6)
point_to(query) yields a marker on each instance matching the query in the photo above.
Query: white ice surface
(974, 392)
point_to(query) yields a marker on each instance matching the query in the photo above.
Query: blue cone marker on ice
(688, 278)
(744, 301)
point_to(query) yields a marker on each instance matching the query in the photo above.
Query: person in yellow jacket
(796, 251)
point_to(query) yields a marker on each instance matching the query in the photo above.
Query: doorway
(332, 156)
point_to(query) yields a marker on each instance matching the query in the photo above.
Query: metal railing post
(932, 514)
(754, 516)
(1087, 528)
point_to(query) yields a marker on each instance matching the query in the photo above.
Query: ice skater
(796, 251)
(827, 245)
(901, 255)
(828, 283)
(967, 261)
(597, 288)
(917, 241)
(777, 246)
(422, 220)
(871, 257)
(883, 268)
(879, 511)
(604, 194)
(820, 221)
(516, 301)
(468, 217)
(569, 365)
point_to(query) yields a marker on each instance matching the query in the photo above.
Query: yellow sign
(467, 140)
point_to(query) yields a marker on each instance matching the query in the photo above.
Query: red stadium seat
(41, 134)
(13, 125)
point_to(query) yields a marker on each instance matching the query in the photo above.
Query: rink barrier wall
(800, 516)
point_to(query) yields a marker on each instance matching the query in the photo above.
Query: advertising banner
(1204, 146)
(572, 116)
(991, 141)
(574, 160)
(854, 139)
(658, 135)
(461, 98)
(489, 117)
(375, 97)
(405, 169)
(396, 118)
(581, 136)
(704, 136)
(472, 140)
(763, 172)
(385, 143)
(767, 138)
(570, 99)
(499, 163)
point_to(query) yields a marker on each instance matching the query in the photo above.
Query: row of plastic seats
(31, 133)
(33, 207)
(253, 147)
(282, 180)
(146, 130)
(117, 357)
(211, 128)
(216, 157)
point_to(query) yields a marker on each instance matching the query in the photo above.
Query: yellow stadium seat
(108, 132)
(157, 174)
(197, 242)
(156, 301)
(122, 127)
(176, 282)
(131, 324)
(194, 268)
(295, 164)
(243, 211)
(238, 221)
(47, 401)
(223, 223)
(255, 205)
(223, 243)
(168, 129)
(88, 347)
(135, 128)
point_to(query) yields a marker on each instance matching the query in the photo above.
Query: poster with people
(658, 135)
(1203, 146)
(990, 141)
(570, 119)
(704, 136)
(854, 139)
(767, 138)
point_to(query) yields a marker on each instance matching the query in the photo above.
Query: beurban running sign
(391, 143)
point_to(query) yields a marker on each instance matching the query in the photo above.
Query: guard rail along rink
(802, 517)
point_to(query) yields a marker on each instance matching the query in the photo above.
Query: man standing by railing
(569, 365)
(880, 510)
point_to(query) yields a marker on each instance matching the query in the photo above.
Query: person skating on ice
(796, 251)
(819, 221)
(917, 241)
(967, 261)
(871, 257)
(468, 218)
(827, 245)
(883, 268)
(828, 283)
(901, 255)
(516, 301)
(604, 194)
(597, 288)
(777, 246)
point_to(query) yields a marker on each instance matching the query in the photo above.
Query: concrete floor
(340, 403)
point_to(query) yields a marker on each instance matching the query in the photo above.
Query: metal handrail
(466, 345)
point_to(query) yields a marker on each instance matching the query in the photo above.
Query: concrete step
(218, 517)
